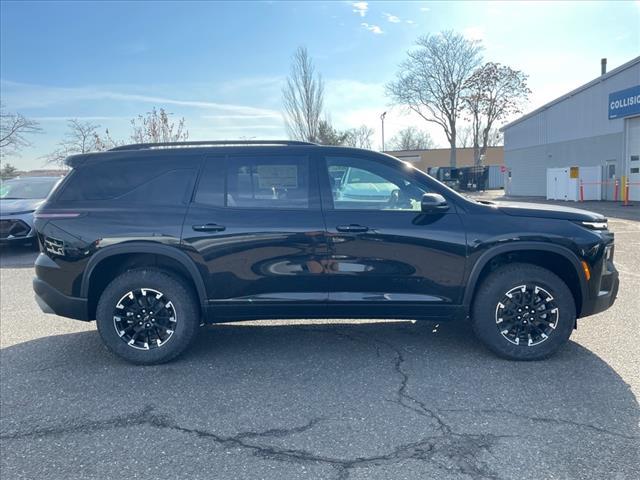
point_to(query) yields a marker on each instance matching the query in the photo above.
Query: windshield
(25, 188)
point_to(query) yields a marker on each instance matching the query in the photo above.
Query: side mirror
(433, 203)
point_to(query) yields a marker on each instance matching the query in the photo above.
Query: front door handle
(353, 228)
(209, 227)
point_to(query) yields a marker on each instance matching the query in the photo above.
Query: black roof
(195, 147)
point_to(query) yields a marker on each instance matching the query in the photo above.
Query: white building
(597, 124)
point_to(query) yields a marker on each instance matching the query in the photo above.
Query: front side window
(363, 184)
(280, 182)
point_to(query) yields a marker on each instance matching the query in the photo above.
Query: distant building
(597, 124)
(439, 157)
(43, 173)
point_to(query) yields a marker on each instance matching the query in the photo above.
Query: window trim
(313, 184)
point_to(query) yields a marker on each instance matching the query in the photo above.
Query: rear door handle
(352, 228)
(209, 227)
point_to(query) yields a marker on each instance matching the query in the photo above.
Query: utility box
(564, 183)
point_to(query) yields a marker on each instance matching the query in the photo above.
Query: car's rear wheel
(147, 316)
(523, 312)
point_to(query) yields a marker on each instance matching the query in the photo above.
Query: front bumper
(604, 291)
(17, 228)
(52, 301)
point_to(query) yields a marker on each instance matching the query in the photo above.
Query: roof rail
(204, 143)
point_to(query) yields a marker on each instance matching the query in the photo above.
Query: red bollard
(581, 192)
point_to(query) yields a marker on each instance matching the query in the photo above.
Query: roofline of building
(590, 84)
(436, 149)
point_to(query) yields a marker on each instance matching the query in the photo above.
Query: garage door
(633, 154)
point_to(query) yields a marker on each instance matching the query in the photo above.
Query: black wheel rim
(527, 315)
(145, 319)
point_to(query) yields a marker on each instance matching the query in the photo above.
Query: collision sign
(624, 103)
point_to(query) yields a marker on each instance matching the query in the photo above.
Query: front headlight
(595, 225)
(608, 252)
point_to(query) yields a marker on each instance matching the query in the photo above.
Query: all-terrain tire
(120, 319)
(501, 302)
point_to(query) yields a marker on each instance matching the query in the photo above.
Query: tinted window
(141, 181)
(256, 182)
(211, 185)
(362, 184)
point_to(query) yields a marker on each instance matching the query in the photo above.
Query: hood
(539, 210)
(10, 206)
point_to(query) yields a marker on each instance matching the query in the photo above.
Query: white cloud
(360, 8)
(23, 95)
(392, 18)
(410, 22)
(474, 33)
(375, 29)
(425, 9)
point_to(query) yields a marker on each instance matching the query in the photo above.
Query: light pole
(384, 114)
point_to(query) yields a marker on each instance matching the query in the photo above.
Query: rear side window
(137, 181)
(274, 182)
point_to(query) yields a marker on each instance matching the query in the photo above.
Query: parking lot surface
(289, 400)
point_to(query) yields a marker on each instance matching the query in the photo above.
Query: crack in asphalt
(446, 450)
(556, 421)
(462, 451)
(409, 402)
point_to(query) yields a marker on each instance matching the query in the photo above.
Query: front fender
(517, 246)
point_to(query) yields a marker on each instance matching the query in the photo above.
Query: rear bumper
(52, 301)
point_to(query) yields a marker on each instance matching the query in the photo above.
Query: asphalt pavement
(320, 400)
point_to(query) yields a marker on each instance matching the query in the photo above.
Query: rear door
(386, 256)
(256, 230)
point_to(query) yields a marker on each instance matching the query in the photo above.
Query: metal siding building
(573, 130)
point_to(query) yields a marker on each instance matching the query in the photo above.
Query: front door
(386, 256)
(255, 228)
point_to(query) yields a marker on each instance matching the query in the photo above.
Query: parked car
(19, 198)
(153, 240)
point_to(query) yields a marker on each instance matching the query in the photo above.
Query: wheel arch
(560, 260)
(119, 258)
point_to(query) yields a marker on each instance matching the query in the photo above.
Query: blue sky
(221, 65)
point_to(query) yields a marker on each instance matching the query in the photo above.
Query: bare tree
(496, 138)
(465, 134)
(81, 137)
(157, 127)
(14, 129)
(411, 138)
(361, 137)
(303, 96)
(494, 92)
(431, 81)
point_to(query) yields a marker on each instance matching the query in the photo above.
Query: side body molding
(516, 246)
(147, 248)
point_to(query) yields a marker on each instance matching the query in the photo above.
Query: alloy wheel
(145, 318)
(527, 315)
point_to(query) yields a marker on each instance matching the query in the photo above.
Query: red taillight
(49, 215)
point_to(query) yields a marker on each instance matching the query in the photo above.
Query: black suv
(153, 240)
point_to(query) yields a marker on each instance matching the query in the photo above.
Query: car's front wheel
(147, 316)
(523, 312)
